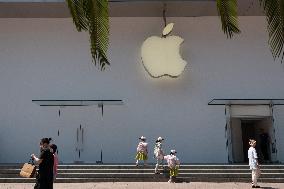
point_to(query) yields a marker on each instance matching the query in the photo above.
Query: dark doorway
(259, 129)
(248, 132)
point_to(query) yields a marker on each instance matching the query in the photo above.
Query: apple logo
(161, 56)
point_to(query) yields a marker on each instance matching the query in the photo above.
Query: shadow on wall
(182, 82)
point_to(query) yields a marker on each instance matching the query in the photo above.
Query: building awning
(77, 102)
(246, 102)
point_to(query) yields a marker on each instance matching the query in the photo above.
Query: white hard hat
(160, 139)
(173, 151)
(142, 138)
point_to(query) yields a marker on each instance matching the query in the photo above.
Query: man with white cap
(158, 154)
(173, 164)
(142, 151)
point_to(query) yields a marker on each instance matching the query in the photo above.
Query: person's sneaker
(170, 181)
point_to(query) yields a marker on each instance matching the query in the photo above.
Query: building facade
(45, 58)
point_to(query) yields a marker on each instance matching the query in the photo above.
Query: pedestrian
(142, 151)
(158, 154)
(173, 164)
(253, 163)
(54, 151)
(44, 177)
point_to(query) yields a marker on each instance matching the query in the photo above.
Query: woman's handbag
(28, 170)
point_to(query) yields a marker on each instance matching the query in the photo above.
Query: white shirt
(252, 156)
(142, 147)
(172, 160)
(158, 151)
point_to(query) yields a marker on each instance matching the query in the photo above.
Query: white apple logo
(160, 55)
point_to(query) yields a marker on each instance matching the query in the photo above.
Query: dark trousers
(44, 182)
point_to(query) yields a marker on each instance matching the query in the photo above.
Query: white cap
(142, 138)
(173, 151)
(160, 139)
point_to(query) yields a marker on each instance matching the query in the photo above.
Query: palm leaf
(78, 14)
(274, 11)
(97, 15)
(227, 10)
(92, 16)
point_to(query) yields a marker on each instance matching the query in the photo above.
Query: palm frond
(92, 16)
(274, 11)
(227, 10)
(78, 14)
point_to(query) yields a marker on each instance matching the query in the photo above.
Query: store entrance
(245, 129)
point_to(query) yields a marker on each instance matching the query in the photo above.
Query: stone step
(153, 166)
(82, 171)
(152, 170)
(132, 166)
(131, 173)
(180, 179)
(151, 175)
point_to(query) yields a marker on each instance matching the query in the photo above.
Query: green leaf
(274, 11)
(92, 16)
(78, 14)
(227, 10)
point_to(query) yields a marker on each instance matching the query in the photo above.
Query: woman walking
(53, 148)
(142, 151)
(173, 164)
(44, 178)
(158, 154)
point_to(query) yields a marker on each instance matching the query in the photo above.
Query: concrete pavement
(146, 185)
